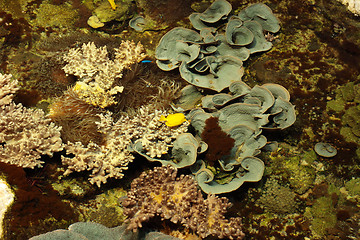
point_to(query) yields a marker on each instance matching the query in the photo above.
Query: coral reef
(159, 192)
(97, 72)
(315, 56)
(88, 230)
(242, 114)
(25, 134)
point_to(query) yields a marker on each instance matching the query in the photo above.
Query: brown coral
(77, 119)
(160, 193)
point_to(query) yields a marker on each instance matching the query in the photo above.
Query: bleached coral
(25, 134)
(7, 89)
(160, 193)
(110, 159)
(97, 72)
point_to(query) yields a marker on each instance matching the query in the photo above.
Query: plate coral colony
(157, 129)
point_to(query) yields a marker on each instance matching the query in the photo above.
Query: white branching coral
(97, 72)
(25, 134)
(111, 158)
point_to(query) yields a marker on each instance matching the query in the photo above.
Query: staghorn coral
(25, 134)
(159, 192)
(111, 158)
(97, 72)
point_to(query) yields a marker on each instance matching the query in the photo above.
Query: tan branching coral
(105, 161)
(160, 193)
(7, 89)
(154, 135)
(110, 159)
(25, 134)
(97, 72)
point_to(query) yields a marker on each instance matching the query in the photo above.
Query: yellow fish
(173, 120)
(112, 3)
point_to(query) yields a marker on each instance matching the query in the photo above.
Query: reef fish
(173, 120)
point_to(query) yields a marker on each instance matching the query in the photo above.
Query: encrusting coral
(111, 158)
(97, 72)
(159, 192)
(25, 134)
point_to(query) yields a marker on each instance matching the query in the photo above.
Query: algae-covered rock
(122, 12)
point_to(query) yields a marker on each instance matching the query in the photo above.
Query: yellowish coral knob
(173, 120)
(112, 3)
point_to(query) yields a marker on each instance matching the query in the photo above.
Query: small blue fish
(146, 61)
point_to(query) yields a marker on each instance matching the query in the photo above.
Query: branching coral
(25, 134)
(97, 72)
(160, 193)
(7, 89)
(110, 158)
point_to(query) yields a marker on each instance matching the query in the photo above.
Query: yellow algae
(112, 3)
(173, 120)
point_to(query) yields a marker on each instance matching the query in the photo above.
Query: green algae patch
(353, 187)
(73, 188)
(49, 15)
(296, 169)
(105, 208)
(322, 215)
(337, 105)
